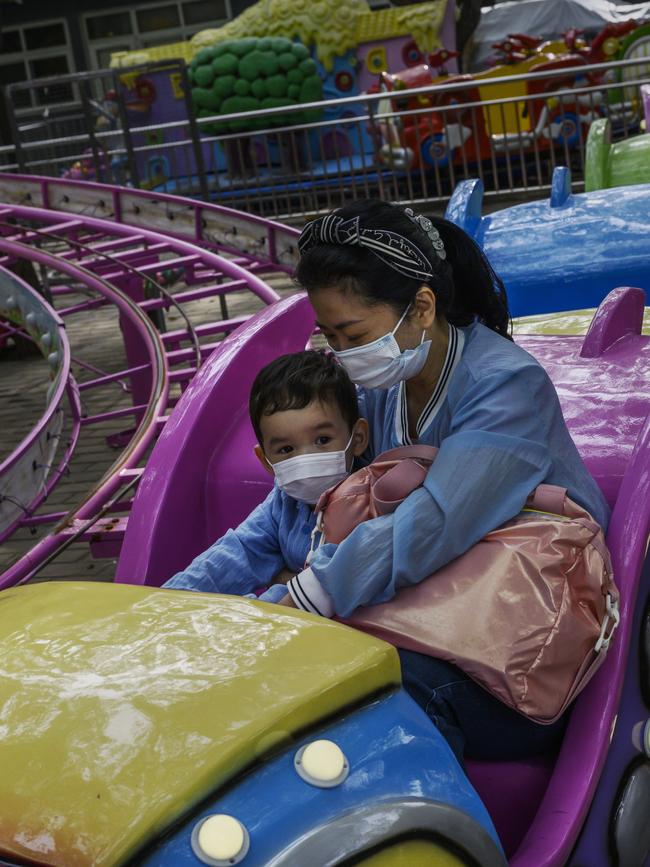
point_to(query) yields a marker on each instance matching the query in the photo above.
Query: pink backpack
(528, 612)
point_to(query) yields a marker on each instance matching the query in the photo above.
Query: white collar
(432, 407)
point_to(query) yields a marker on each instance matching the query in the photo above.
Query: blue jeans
(474, 723)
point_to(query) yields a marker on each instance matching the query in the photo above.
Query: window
(10, 73)
(54, 94)
(146, 25)
(10, 42)
(50, 67)
(204, 12)
(45, 67)
(45, 36)
(108, 26)
(38, 50)
(158, 18)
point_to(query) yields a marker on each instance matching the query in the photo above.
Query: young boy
(304, 412)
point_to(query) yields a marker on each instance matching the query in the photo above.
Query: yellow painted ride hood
(568, 322)
(121, 706)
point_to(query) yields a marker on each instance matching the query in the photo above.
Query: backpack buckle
(613, 615)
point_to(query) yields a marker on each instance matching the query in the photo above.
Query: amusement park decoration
(139, 94)
(245, 75)
(328, 25)
(617, 164)
(606, 45)
(84, 169)
(340, 48)
(404, 36)
(452, 133)
(331, 27)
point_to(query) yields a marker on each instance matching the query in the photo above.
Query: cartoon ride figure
(418, 139)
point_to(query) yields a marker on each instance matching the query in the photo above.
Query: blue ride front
(403, 780)
(563, 253)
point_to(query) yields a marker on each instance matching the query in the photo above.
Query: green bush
(243, 75)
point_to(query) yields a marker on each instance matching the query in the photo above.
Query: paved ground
(95, 338)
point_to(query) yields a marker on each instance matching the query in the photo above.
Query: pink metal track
(141, 254)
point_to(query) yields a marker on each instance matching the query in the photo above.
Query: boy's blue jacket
(275, 536)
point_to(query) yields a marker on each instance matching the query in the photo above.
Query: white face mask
(382, 363)
(306, 477)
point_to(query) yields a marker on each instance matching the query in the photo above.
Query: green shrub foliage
(243, 75)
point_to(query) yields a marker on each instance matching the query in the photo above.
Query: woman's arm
(496, 454)
(242, 560)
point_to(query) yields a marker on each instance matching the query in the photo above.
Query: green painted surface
(615, 165)
(629, 161)
(123, 706)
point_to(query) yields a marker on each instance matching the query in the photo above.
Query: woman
(413, 310)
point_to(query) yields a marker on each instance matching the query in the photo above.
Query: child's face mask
(306, 477)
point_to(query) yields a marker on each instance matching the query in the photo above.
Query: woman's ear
(424, 306)
(261, 457)
(360, 437)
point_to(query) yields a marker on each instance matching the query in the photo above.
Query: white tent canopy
(548, 19)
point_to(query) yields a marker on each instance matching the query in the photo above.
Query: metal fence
(413, 145)
(94, 135)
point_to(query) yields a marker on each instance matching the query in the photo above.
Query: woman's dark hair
(465, 286)
(294, 381)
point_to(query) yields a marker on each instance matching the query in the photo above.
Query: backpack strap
(417, 452)
(396, 484)
(411, 465)
(548, 498)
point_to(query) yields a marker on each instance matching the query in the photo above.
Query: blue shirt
(276, 535)
(496, 419)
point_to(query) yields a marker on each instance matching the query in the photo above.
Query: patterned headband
(394, 250)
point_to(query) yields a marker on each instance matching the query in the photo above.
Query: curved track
(144, 260)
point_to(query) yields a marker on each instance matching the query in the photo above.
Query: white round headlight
(220, 840)
(322, 763)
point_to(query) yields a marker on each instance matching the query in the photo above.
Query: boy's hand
(288, 601)
(283, 576)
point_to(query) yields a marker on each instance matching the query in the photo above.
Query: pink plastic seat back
(538, 806)
(202, 476)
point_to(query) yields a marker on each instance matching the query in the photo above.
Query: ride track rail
(40, 444)
(258, 242)
(112, 263)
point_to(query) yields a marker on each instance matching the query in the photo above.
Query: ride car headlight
(220, 840)
(322, 763)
